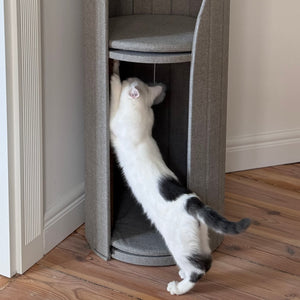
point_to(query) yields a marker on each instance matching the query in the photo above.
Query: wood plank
(289, 170)
(268, 216)
(44, 283)
(3, 282)
(115, 275)
(219, 289)
(269, 253)
(273, 179)
(242, 248)
(149, 282)
(274, 236)
(81, 230)
(270, 226)
(76, 243)
(270, 208)
(249, 240)
(262, 263)
(261, 191)
(203, 288)
(253, 278)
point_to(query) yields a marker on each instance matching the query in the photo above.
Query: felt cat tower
(185, 42)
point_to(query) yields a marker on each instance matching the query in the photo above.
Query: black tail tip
(243, 224)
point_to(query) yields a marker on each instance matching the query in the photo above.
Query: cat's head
(139, 92)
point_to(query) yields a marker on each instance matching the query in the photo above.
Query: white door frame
(5, 229)
(24, 115)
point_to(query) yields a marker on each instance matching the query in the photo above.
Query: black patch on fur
(193, 206)
(171, 189)
(200, 261)
(212, 219)
(195, 277)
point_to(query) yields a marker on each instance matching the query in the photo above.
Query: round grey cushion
(152, 33)
(133, 232)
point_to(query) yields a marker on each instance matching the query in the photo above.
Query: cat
(178, 213)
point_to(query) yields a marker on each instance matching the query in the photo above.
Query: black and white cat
(178, 213)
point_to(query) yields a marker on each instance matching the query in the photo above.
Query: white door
(23, 202)
(30, 227)
(5, 261)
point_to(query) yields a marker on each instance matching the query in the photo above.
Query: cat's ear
(134, 92)
(158, 93)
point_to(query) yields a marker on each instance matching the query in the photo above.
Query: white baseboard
(262, 150)
(61, 224)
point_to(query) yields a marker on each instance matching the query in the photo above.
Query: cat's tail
(212, 219)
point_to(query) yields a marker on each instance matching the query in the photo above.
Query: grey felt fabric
(150, 57)
(190, 123)
(97, 178)
(207, 111)
(133, 233)
(142, 260)
(152, 33)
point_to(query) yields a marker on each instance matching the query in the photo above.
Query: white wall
(263, 125)
(5, 258)
(63, 118)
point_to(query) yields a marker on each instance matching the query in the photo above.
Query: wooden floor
(260, 264)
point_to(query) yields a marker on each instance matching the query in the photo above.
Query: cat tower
(184, 44)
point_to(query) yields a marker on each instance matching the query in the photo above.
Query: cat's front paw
(116, 67)
(115, 82)
(172, 288)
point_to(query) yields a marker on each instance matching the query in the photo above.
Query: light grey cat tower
(186, 43)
